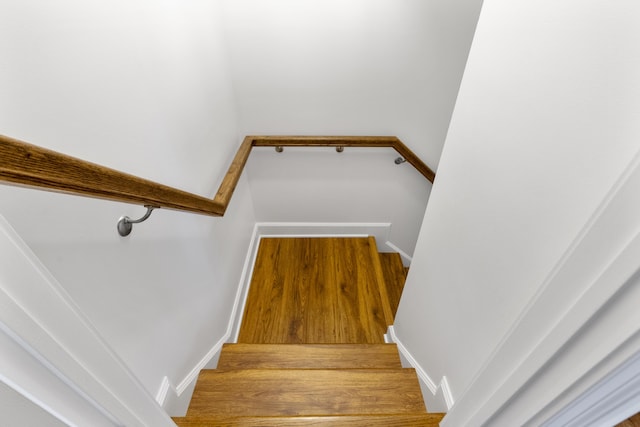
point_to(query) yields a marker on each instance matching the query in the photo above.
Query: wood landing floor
(315, 290)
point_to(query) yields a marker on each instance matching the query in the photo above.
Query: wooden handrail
(347, 141)
(25, 164)
(29, 165)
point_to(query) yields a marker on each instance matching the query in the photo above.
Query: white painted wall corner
(437, 396)
(243, 287)
(175, 399)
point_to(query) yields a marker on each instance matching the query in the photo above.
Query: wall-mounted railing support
(400, 160)
(125, 224)
(339, 149)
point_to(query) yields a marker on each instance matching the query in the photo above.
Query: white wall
(543, 127)
(17, 410)
(357, 186)
(158, 89)
(362, 67)
(144, 87)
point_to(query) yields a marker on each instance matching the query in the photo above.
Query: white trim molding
(42, 320)
(170, 392)
(609, 402)
(380, 230)
(163, 391)
(243, 287)
(566, 339)
(441, 399)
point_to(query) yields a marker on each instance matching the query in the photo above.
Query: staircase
(333, 383)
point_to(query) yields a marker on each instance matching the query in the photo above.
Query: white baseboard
(161, 395)
(380, 230)
(243, 287)
(171, 398)
(193, 374)
(168, 393)
(440, 398)
(406, 259)
(609, 402)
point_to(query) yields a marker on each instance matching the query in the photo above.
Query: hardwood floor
(315, 290)
(368, 420)
(394, 277)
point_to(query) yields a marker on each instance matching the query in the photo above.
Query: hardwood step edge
(382, 286)
(376, 420)
(394, 275)
(393, 257)
(372, 370)
(283, 392)
(311, 356)
(204, 372)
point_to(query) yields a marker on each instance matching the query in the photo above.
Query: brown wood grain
(28, 165)
(309, 356)
(313, 291)
(273, 392)
(394, 278)
(380, 280)
(323, 141)
(383, 420)
(347, 141)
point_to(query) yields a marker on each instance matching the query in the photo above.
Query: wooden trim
(29, 165)
(382, 286)
(414, 160)
(324, 141)
(25, 164)
(347, 141)
(228, 185)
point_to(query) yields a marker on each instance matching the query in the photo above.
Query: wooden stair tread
(276, 392)
(382, 420)
(395, 275)
(309, 356)
(382, 285)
